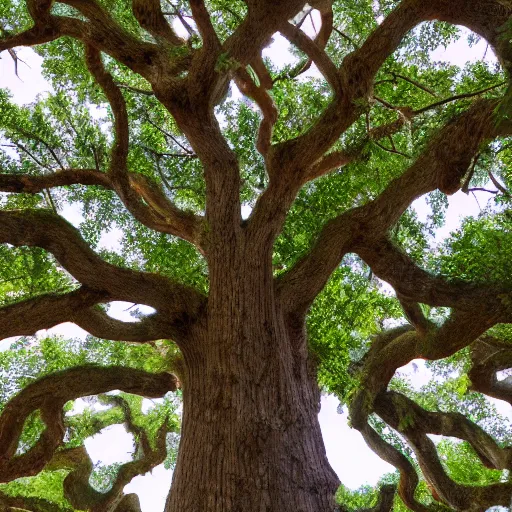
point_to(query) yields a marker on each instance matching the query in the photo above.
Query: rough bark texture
(250, 434)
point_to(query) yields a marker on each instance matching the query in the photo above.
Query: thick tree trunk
(251, 439)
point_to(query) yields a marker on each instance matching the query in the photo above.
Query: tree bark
(251, 439)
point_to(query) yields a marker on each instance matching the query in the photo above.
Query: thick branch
(77, 488)
(408, 477)
(176, 222)
(49, 394)
(265, 103)
(149, 14)
(100, 31)
(180, 304)
(29, 184)
(443, 165)
(161, 214)
(28, 504)
(409, 416)
(315, 53)
(489, 356)
(414, 423)
(27, 317)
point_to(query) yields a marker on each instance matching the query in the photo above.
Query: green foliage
(47, 485)
(72, 127)
(480, 251)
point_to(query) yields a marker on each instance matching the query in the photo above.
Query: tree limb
(315, 53)
(490, 355)
(49, 394)
(414, 423)
(180, 304)
(443, 165)
(150, 17)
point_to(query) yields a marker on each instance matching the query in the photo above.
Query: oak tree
(259, 207)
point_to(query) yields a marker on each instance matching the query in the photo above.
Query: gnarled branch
(180, 304)
(49, 394)
(443, 165)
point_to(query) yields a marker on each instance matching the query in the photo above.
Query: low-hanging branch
(49, 394)
(414, 423)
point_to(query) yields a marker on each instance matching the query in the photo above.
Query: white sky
(348, 454)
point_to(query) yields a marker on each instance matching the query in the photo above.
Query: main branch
(179, 305)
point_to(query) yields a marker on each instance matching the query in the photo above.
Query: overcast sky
(353, 461)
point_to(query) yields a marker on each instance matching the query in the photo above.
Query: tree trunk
(251, 439)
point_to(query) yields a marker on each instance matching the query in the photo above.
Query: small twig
(137, 90)
(36, 160)
(303, 19)
(465, 186)
(161, 173)
(385, 103)
(167, 134)
(96, 160)
(394, 151)
(29, 135)
(182, 19)
(174, 155)
(346, 37)
(476, 199)
(415, 83)
(480, 189)
(498, 185)
(457, 97)
(313, 22)
(50, 200)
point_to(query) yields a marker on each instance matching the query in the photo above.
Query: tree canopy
(225, 174)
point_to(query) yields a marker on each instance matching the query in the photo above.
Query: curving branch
(400, 346)
(315, 53)
(27, 317)
(443, 165)
(405, 415)
(489, 356)
(265, 103)
(49, 394)
(414, 423)
(359, 68)
(100, 30)
(77, 488)
(176, 222)
(180, 305)
(96, 322)
(408, 477)
(158, 213)
(393, 349)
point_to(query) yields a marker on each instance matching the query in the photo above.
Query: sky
(348, 454)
